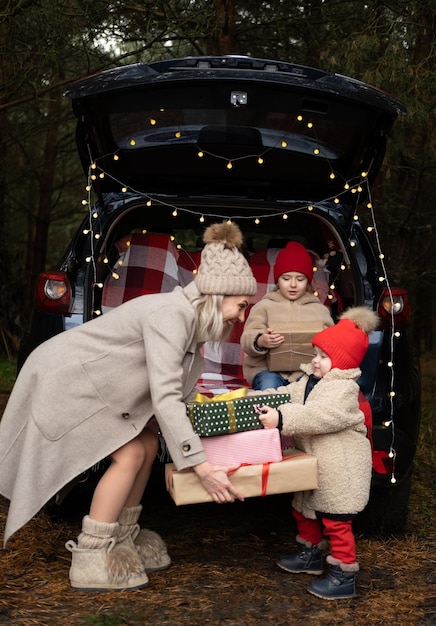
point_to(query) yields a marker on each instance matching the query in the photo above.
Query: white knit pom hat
(224, 269)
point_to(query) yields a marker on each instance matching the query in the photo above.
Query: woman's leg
(124, 481)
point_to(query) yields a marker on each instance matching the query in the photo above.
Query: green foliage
(8, 372)
(388, 44)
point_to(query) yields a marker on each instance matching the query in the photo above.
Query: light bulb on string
(202, 219)
(260, 161)
(229, 165)
(285, 216)
(200, 154)
(257, 220)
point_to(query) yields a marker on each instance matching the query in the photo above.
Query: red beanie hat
(293, 258)
(346, 342)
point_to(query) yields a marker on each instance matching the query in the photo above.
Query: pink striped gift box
(252, 446)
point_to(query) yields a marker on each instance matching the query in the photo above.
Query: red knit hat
(346, 342)
(293, 258)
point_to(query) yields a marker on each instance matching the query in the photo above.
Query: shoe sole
(107, 587)
(160, 568)
(318, 595)
(315, 572)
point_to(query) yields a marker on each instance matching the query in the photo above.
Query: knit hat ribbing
(223, 269)
(293, 258)
(346, 342)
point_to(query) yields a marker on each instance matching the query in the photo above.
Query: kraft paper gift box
(253, 446)
(296, 348)
(297, 472)
(230, 412)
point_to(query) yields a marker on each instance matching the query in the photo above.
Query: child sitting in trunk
(279, 311)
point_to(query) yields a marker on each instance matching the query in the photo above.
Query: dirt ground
(223, 571)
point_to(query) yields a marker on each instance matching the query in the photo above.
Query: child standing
(278, 312)
(325, 420)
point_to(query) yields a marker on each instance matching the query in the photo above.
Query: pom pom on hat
(346, 342)
(293, 258)
(223, 269)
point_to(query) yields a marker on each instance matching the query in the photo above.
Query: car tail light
(53, 293)
(394, 308)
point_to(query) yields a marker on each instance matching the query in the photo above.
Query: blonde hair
(208, 308)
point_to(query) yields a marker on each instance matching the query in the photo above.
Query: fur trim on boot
(150, 547)
(99, 564)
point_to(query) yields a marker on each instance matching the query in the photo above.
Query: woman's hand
(270, 339)
(269, 417)
(216, 482)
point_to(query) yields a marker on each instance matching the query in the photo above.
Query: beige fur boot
(150, 546)
(99, 563)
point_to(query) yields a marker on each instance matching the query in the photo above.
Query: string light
(349, 186)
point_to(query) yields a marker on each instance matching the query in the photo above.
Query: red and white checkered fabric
(151, 263)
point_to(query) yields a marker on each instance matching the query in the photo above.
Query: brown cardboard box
(297, 472)
(295, 350)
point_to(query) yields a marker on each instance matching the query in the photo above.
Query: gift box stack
(232, 435)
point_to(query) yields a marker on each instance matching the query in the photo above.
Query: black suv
(287, 152)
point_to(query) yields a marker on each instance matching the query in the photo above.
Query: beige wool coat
(88, 391)
(276, 312)
(330, 425)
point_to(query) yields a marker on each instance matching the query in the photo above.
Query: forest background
(45, 45)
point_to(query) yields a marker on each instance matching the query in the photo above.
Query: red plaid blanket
(152, 263)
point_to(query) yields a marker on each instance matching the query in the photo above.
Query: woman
(88, 394)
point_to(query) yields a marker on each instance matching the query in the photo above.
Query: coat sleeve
(329, 408)
(167, 338)
(257, 322)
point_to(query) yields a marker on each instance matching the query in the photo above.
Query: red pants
(338, 532)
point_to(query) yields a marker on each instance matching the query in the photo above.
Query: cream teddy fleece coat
(330, 426)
